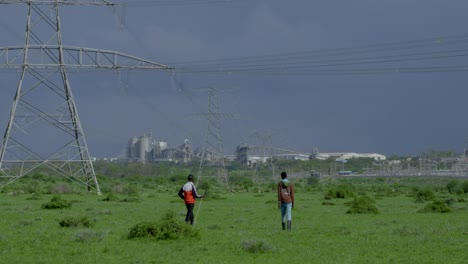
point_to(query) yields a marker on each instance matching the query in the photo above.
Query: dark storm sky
(399, 113)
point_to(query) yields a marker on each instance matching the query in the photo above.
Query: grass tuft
(87, 236)
(256, 246)
(82, 221)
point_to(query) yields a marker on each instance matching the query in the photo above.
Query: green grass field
(229, 226)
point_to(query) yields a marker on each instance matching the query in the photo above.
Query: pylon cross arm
(46, 56)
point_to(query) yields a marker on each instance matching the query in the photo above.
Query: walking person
(188, 192)
(285, 200)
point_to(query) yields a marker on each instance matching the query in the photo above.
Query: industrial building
(145, 149)
(349, 155)
(251, 155)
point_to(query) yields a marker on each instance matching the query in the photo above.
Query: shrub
(206, 186)
(452, 186)
(39, 176)
(436, 206)
(313, 180)
(362, 205)
(82, 221)
(339, 192)
(168, 228)
(56, 203)
(272, 186)
(33, 187)
(450, 202)
(256, 246)
(425, 194)
(464, 186)
(111, 197)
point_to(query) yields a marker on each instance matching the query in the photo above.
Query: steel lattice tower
(44, 104)
(213, 153)
(264, 137)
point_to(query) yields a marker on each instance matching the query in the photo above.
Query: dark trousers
(189, 216)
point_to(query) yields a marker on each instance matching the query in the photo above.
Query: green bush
(82, 221)
(56, 203)
(425, 194)
(33, 187)
(450, 202)
(339, 192)
(362, 205)
(313, 180)
(111, 197)
(452, 186)
(168, 228)
(464, 186)
(206, 186)
(436, 206)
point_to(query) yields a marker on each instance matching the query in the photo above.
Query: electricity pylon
(43, 106)
(213, 153)
(264, 137)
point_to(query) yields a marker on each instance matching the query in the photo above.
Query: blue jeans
(286, 212)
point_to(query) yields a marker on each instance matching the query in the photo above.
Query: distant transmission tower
(264, 137)
(213, 153)
(43, 106)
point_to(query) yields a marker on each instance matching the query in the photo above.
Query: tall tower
(264, 138)
(213, 153)
(44, 129)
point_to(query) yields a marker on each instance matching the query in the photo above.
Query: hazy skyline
(397, 113)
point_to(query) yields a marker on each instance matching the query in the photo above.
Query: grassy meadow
(238, 227)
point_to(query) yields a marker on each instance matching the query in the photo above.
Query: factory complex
(145, 149)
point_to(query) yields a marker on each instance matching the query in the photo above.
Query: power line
(403, 55)
(391, 46)
(332, 63)
(175, 2)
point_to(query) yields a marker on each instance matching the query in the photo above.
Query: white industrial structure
(349, 155)
(251, 155)
(145, 149)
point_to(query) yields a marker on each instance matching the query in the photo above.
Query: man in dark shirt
(285, 200)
